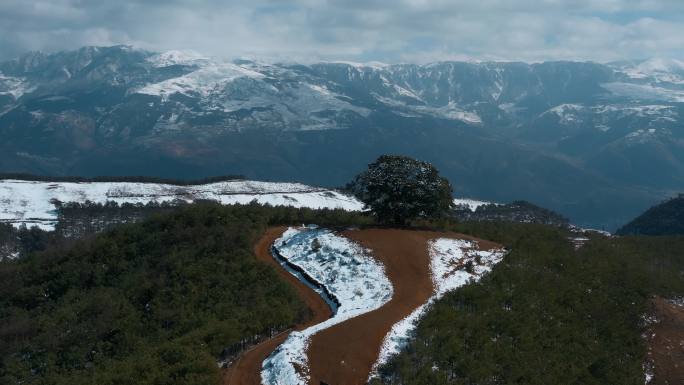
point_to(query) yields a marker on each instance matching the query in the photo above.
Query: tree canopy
(398, 188)
(666, 218)
(577, 314)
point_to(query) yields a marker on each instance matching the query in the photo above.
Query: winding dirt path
(344, 354)
(247, 368)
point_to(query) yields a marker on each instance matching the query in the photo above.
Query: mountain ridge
(596, 142)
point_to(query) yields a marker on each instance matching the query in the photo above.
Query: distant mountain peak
(176, 57)
(526, 125)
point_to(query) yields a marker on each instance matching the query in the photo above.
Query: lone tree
(398, 188)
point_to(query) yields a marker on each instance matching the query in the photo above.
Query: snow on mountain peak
(375, 65)
(203, 81)
(661, 65)
(658, 69)
(175, 57)
(15, 87)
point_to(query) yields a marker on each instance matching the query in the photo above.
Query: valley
(502, 131)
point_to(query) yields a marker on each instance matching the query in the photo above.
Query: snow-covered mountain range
(572, 136)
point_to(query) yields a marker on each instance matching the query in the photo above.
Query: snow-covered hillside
(32, 203)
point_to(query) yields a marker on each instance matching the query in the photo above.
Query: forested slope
(157, 302)
(666, 218)
(547, 314)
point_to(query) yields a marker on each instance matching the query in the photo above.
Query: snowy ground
(453, 263)
(29, 202)
(472, 204)
(356, 280)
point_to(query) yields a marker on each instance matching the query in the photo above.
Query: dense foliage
(548, 314)
(517, 211)
(666, 218)
(15, 242)
(157, 302)
(76, 220)
(161, 300)
(398, 188)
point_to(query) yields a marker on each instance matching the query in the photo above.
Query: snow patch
(346, 270)
(657, 69)
(644, 92)
(472, 204)
(30, 203)
(452, 111)
(567, 112)
(678, 301)
(453, 263)
(15, 87)
(373, 65)
(175, 57)
(204, 81)
(449, 111)
(320, 89)
(404, 92)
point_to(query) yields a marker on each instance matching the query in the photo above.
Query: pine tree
(397, 189)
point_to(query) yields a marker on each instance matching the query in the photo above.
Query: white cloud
(401, 30)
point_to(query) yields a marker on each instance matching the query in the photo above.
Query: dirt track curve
(344, 354)
(247, 368)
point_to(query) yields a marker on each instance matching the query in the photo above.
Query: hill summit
(666, 218)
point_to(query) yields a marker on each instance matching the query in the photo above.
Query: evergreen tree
(397, 189)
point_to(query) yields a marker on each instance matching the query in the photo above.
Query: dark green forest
(666, 218)
(162, 300)
(547, 314)
(156, 302)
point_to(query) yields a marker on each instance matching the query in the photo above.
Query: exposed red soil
(247, 368)
(344, 354)
(666, 347)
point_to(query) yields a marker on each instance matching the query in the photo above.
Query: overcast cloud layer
(358, 30)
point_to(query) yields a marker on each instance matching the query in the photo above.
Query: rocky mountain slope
(598, 143)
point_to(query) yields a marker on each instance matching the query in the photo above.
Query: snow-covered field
(30, 203)
(356, 280)
(448, 261)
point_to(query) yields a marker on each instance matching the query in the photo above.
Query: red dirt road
(246, 370)
(344, 354)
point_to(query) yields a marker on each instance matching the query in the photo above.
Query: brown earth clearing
(344, 354)
(666, 343)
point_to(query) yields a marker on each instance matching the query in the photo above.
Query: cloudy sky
(356, 30)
